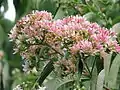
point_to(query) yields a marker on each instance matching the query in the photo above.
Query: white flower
(18, 87)
(26, 68)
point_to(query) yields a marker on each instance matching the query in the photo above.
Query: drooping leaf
(46, 71)
(79, 66)
(99, 63)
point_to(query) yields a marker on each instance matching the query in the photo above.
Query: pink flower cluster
(85, 37)
(31, 25)
(29, 29)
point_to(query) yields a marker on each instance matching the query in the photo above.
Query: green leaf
(2, 36)
(91, 16)
(113, 11)
(107, 61)
(6, 76)
(46, 71)
(93, 80)
(56, 83)
(22, 7)
(1, 78)
(115, 1)
(100, 80)
(112, 58)
(48, 5)
(116, 28)
(116, 20)
(87, 85)
(60, 13)
(114, 74)
(79, 66)
(91, 83)
(98, 62)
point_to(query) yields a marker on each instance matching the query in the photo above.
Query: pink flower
(99, 47)
(93, 27)
(117, 48)
(86, 46)
(114, 46)
(14, 33)
(75, 32)
(83, 46)
(101, 36)
(43, 15)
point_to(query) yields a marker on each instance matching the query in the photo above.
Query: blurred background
(104, 12)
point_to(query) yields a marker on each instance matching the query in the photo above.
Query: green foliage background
(104, 12)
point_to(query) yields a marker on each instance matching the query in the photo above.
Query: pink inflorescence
(31, 25)
(85, 37)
